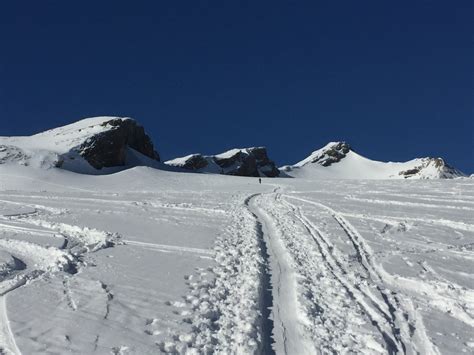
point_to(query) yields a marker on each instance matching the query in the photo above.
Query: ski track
(408, 203)
(446, 297)
(290, 331)
(390, 220)
(170, 248)
(321, 301)
(7, 340)
(228, 311)
(325, 313)
(279, 284)
(406, 323)
(39, 261)
(123, 203)
(45, 261)
(379, 313)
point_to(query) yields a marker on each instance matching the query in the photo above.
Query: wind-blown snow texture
(147, 261)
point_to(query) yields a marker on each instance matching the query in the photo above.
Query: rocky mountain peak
(331, 153)
(86, 146)
(252, 161)
(109, 147)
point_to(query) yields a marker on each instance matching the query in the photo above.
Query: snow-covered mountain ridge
(338, 160)
(91, 145)
(107, 144)
(241, 162)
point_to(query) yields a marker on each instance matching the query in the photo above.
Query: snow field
(146, 262)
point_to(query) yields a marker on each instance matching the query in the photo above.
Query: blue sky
(394, 79)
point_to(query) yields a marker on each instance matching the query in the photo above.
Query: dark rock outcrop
(194, 162)
(333, 154)
(109, 148)
(248, 162)
(239, 162)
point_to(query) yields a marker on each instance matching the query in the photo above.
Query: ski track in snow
(306, 317)
(289, 333)
(313, 265)
(39, 261)
(230, 310)
(205, 253)
(284, 280)
(44, 260)
(443, 295)
(407, 325)
(408, 203)
(7, 340)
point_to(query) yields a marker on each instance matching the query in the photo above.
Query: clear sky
(393, 78)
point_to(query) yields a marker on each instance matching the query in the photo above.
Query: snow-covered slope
(338, 161)
(92, 145)
(241, 162)
(146, 261)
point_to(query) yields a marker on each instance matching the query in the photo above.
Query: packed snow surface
(147, 261)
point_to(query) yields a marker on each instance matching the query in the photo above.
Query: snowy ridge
(242, 162)
(338, 161)
(109, 144)
(78, 146)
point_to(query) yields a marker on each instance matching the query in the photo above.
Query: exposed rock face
(247, 162)
(193, 162)
(108, 148)
(333, 154)
(239, 162)
(88, 146)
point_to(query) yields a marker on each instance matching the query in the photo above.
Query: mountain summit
(92, 145)
(338, 160)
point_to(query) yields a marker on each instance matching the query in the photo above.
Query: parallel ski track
(288, 335)
(382, 319)
(397, 317)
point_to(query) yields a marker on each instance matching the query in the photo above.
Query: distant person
(259, 180)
